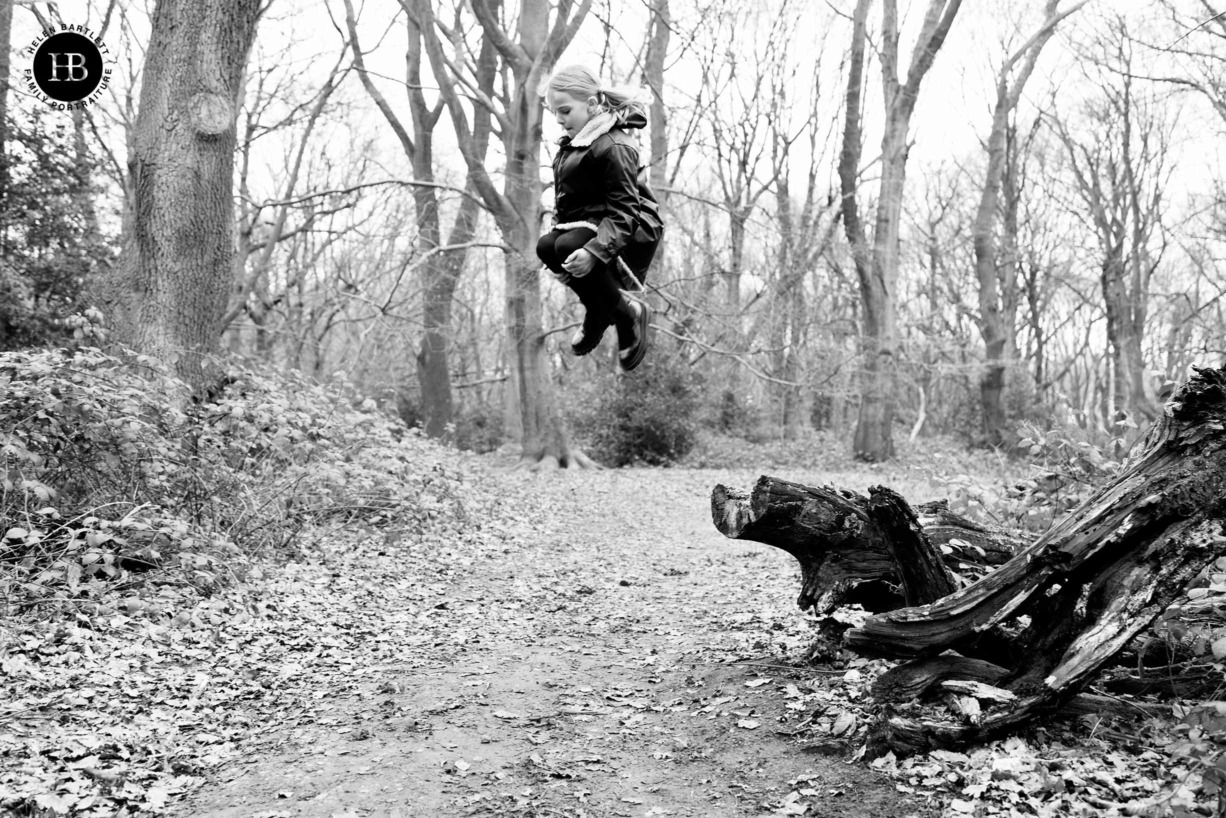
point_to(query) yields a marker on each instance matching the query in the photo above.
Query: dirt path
(607, 655)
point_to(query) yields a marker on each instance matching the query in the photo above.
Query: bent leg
(598, 290)
(547, 251)
(592, 289)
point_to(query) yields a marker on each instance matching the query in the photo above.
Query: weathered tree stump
(1063, 606)
(840, 539)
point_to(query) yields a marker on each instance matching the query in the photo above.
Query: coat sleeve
(620, 177)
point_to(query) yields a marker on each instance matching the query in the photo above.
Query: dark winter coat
(597, 180)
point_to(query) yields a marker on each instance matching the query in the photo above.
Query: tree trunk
(853, 224)
(997, 276)
(441, 274)
(1048, 619)
(736, 258)
(878, 270)
(991, 325)
(1126, 307)
(544, 436)
(788, 284)
(653, 75)
(169, 292)
(525, 59)
(874, 439)
(794, 414)
(441, 268)
(6, 36)
(1140, 391)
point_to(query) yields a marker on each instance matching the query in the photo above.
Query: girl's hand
(579, 263)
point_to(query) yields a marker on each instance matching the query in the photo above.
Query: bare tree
(264, 226)
(1120, 165)
(877, 265)
(936, 322)
(1198, 40)
(741, 113)
(6, 36)
(736, 93)
(528, 43)
(997, 275)
(1044, 250)
(659, 31)
(443, 262)
(806, 231)
(170, 287)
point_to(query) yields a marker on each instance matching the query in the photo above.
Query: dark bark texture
(177, 262)
(1025, 638)
(840, 542)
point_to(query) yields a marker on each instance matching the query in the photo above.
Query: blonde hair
(581, 82)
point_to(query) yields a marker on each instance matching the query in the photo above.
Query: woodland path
(597, 649)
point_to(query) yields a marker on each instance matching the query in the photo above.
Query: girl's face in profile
(572, 114)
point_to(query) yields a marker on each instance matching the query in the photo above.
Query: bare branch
(359, 61)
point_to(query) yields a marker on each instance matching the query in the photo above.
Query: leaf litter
(543, 654)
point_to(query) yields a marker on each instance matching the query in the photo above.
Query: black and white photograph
(613, 408)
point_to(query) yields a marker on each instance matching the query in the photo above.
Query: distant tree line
(365, 197)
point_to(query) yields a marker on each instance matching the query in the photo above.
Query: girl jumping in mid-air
(608, 223)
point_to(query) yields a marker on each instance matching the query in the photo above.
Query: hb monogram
(67, 68)
(73, 63)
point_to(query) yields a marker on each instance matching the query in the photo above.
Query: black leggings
(598, 291)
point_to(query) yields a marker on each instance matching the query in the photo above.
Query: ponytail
(580, 82)
(624, 100)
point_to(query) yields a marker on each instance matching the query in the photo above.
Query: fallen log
(840, 541)
(1087, 587)
(1066, 603)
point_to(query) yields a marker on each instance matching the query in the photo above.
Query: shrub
(479, 428)
(737, 414)
(649, 416)
(1065, 467)
(106, 468)
(53, 242)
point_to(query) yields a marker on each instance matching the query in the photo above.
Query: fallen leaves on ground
(123, 712)
(1098, 765)
(130, 712)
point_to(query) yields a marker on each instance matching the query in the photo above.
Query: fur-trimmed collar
(595, 128)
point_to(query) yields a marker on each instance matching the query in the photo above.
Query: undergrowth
(648, 419)
(110, 473)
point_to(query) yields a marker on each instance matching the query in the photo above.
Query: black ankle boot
(589, 335)
(633, 318)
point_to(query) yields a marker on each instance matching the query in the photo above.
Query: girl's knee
(572, 240)
(546, 250)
